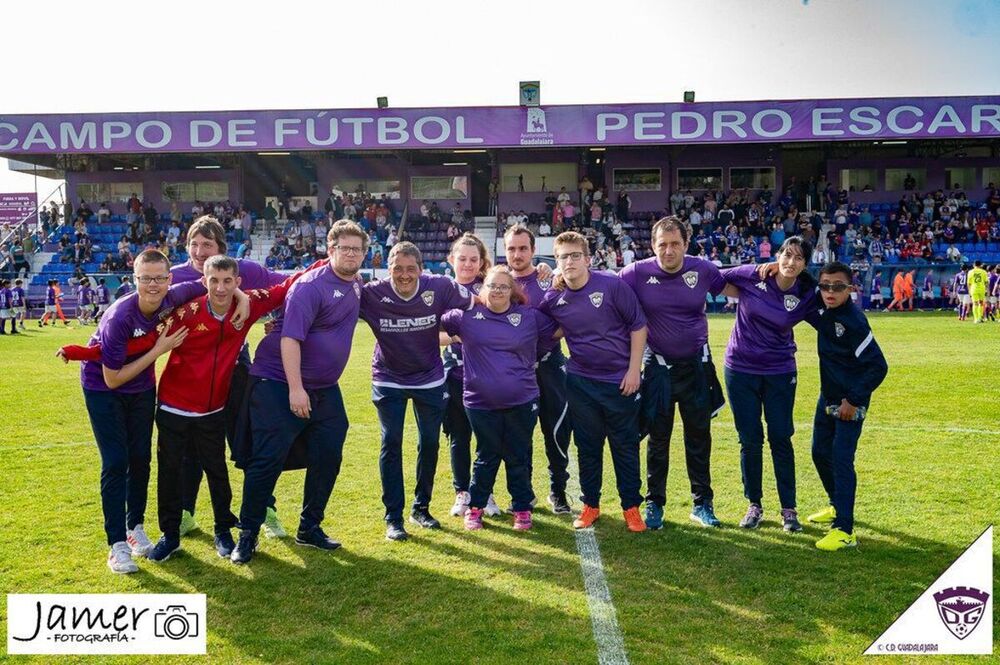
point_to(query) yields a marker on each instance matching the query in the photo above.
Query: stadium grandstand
(883, 184)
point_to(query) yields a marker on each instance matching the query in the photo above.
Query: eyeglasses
(152, 280)
(569, 256)
(836, 287)
(502, 288)
(348, 250)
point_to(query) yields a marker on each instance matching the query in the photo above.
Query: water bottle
(834, 411)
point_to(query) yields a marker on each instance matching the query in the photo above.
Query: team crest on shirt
(597, 298)
(461, 289)
(690, 278)
(515, 319)
(544, 284)
(762, 286)
(476, 288)
(791, 302)
(838, 328)
(428, 296)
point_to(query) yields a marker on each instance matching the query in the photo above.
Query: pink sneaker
(522, 520)
(474, 519)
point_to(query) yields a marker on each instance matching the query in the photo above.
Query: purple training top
(321, 312)
(50, 296)
(17, 297)
(452, 355)
(5, 298)
(103, 295)
(762, 341)
(597, 321)
(535, 287)
(406, 331)
(252, 275)
(122, 321)
(674, 304)
(501, 351)
(86, 295)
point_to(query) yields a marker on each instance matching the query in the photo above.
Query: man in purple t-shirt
(206, 238)
(405, 313)
(605, 329)
(553, 412)
(299, 364)
(672, 288)
(120, 395)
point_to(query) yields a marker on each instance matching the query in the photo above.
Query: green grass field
(929, 483)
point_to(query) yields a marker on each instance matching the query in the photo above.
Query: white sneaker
(492, 509)
(120, 559)
(138, 540)
(462, 500)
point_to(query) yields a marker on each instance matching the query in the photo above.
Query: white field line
(603, 617)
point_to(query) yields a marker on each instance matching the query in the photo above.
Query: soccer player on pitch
(672, 288)
(961, 291)
(5, 309)
(405, 312)
(295, 391)
(605, 329)
(120, 395)
(851, 367)
(761, 373)
(500, 336)
(876, 292)
(18, 303)
(553, 411)
(994, 290)
(470, 261)
(978, 280)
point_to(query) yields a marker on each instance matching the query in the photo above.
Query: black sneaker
(244, 548)
(753, 518)
(316, 538)
(560, 505)
(224, 544)
(790, 520)
(423, 517)
(164, 548)
(395, 531)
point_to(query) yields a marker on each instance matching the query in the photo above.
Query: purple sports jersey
(597, 320)
(321, 312)
(452, 355)
(122, 321)
(534, 288)
(994, 278)
(876, 286)
(17, 297)
(86, 295)
(674, 304)
(406, 331)
(252, 275)
(928, 282)
(102, 295)
(5, 298)
(762, 341)
(50, 296)
(962, 283)
(501, 351)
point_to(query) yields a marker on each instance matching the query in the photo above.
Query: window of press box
(637, 180)
(857, 180)
(541, 177)
(211, 190)
(700, 178)
(895, 179)
(751, 177)
(439, 187)
(991, 174)
(374, 188)
(959, 177)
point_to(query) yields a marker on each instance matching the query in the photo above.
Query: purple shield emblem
(960, 609)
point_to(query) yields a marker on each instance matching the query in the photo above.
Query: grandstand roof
(478, 128)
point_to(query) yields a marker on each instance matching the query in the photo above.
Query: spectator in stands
(270, 219)
(103, 214)
(568, 213)
(149, 214)
(586, 188)
(307, 233)
(624, 205)
(909, 183)
(544, 229)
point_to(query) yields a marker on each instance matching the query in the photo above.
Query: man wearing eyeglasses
(405, 312)
(605, 329)
(851, 367)
(120, 395)
(295, 392)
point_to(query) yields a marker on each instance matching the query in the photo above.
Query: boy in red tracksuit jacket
(193, 391)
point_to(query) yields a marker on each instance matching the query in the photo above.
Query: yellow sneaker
(825, 516)
(836, 540)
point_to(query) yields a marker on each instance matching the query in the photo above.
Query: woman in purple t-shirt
(761, 374)
(500, 336)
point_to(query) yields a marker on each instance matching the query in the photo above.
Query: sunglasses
(836, 287)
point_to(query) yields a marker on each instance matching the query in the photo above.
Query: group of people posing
(638, 346)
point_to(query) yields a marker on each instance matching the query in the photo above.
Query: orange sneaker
(633, 520)
(587, 517)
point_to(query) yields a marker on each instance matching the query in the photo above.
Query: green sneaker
(836, 540)
(272, 527)
(187, 523)
(825, 516)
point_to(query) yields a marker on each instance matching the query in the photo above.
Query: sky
(102, 56)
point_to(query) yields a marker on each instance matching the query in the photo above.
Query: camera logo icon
(175, 622)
